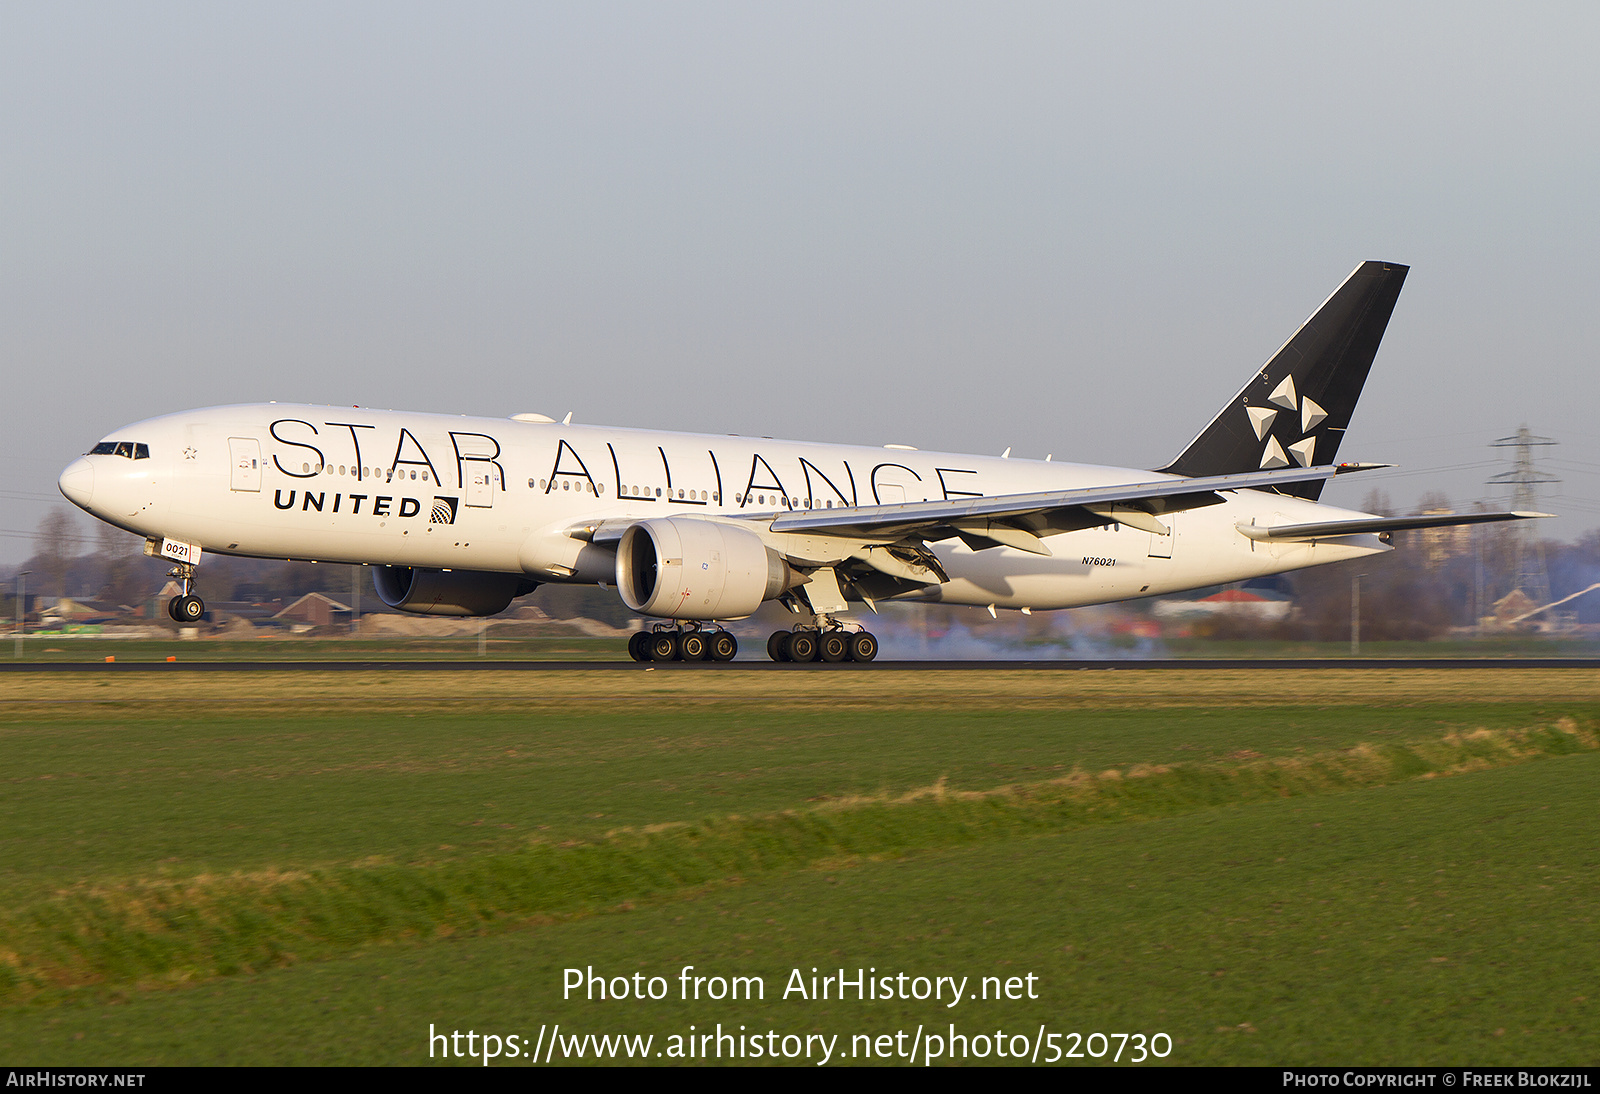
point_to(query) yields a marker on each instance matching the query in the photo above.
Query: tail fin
(1296, 409)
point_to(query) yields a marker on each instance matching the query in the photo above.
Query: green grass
(1436, 923)
(1363, 876)
(187, 791)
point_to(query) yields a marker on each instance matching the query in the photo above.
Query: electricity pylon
(1525, 479)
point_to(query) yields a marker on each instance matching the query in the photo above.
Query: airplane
(460, 516)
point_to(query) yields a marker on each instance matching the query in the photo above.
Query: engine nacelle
(448, 592)
(682, 568)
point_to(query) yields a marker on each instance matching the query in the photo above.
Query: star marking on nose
(189, 453)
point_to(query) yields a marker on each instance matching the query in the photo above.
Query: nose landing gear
(186, 607)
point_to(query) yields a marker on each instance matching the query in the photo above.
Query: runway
(1130, 664)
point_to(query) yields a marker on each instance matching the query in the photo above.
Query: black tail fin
(1296, 409)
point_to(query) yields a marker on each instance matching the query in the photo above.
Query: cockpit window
(127, 449)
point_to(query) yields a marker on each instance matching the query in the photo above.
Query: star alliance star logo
(1262, 417)
(189, 453)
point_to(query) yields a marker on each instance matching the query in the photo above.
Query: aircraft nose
(77, 483)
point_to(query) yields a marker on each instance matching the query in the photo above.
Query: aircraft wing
(1333, 528)
(1018, 520)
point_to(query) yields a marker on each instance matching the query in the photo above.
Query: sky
(1062, 228)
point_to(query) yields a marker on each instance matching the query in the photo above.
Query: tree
(121, 557)
(55, 545)
(1377, 501)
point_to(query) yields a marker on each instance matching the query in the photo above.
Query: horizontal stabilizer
(1332, 529)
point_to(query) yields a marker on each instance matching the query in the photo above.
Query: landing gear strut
(682, 642)
(186, 607)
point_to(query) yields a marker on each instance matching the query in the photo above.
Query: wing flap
(1002, 534)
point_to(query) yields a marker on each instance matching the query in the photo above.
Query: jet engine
(448, 592)
(681, 568)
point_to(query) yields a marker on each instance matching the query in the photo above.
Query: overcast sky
(1062, 228)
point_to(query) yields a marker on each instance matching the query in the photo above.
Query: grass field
(1355, 866)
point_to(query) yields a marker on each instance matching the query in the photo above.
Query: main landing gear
(186, 607)
(827, 642)
(682, 642)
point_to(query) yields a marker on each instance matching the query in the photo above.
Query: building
(315, 610)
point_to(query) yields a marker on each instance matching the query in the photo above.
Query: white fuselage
(436, 491)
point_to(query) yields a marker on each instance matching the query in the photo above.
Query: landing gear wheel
(801, 646)
(692, 646)
(638, 645)
(663, 646)
(833, 646)
(185, 607)
(777, 645)
(863, 647)
(724, 646)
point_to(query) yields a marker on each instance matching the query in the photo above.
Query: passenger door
(483, 479)
(244, 455)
